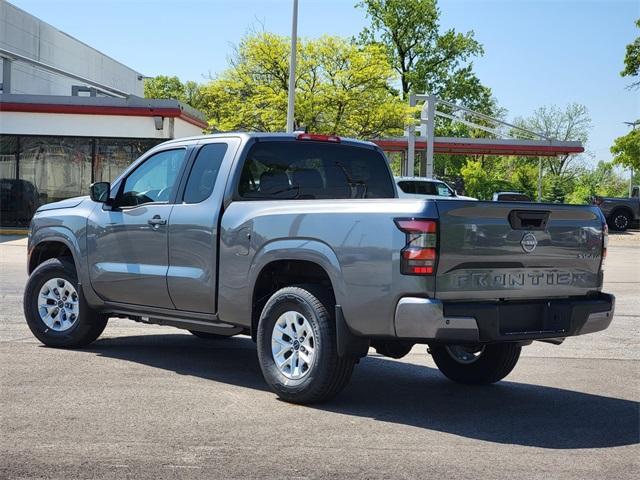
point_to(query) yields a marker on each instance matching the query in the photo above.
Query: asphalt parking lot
(153, 402)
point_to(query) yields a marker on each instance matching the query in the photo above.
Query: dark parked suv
(19, 200)
(621, 213)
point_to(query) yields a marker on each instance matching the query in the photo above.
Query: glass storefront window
(13, 210)
(8, 156)
(113, 155)
(35, 170)
(60, 167)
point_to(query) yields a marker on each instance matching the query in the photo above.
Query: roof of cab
(416, 179)
(266, 135)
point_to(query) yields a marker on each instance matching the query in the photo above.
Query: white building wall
(27, 35)
(119, 126)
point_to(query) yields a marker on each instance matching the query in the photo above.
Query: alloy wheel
(58, 304)
(465, 354)
(293, 345)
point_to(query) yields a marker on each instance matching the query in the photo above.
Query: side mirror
(99, 191)
(635, 192)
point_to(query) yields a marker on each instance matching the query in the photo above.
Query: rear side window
(425, 188)
(313, 170)
(408, 187)
(204, 172)
(513, 197)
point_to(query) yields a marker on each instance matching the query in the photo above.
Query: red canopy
(485, 146)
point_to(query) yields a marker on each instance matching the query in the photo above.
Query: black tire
(211, 336)
(88, 325)
(619, 220)
(491, 365)
(329, 372)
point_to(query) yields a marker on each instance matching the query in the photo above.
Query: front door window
(154, 180)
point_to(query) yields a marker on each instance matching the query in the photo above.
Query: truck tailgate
(510, 250)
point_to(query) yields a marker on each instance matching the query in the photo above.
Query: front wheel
(55, 309)
(476, 364)
(297, 348)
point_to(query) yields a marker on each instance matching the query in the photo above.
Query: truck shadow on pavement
(408, 394)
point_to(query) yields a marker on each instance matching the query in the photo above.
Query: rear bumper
(513, 321)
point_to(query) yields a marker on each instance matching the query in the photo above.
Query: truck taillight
(420, 253)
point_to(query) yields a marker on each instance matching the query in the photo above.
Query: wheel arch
(284, 264)
(622, 208)
(51, 247)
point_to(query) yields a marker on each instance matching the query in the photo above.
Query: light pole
(539, 179)
(633, 125)
(292, 68)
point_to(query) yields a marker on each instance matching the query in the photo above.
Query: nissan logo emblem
(529, 242)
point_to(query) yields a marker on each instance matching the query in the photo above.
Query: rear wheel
(297, 347)
(476, 364)
(620, 220)
(55, 309)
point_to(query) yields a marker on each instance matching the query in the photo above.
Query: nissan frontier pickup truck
(300, 241)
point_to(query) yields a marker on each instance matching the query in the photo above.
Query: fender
(64, 235)
(55, 234)
(306, 249)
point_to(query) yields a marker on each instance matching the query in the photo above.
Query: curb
(14, 231)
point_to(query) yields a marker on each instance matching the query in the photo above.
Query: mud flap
(349, 345)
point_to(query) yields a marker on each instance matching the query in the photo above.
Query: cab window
(154, 180)
(300, 170)
(204, 172)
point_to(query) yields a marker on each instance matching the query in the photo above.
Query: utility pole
(292, 68)
(539, 179)
(411, 141)
(431, 125)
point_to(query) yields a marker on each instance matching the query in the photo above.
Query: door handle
(156, 221)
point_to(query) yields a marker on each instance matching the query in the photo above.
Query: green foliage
(632, 60)
(483, 178)
(526, 180)
(481, 182)
(426, 59)
(601, 180)
(554, 188)
(167, 87)
(341, 88)
(626, 150)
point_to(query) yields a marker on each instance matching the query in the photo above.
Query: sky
(539, 52)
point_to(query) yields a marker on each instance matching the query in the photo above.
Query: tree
(167, 87)
(520, 173)
(601, 180)
(341, 88)
(632, 60)
(425, 59)
(626, 150)
(481, 180)
(571, 123)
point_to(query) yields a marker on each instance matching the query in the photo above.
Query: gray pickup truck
(620, 213)
(300, 242)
